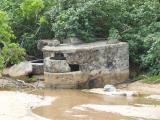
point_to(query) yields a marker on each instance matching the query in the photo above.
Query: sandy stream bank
(18, 105)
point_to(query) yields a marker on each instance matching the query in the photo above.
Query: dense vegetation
(24, 22)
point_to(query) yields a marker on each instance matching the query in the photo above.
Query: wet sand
(18, 105)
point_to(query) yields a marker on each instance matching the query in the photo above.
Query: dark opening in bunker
(92, 83)
(37, 61)
(58, 56)
(74, 67)
(110, 65)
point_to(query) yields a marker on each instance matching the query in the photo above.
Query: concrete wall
(86, 65)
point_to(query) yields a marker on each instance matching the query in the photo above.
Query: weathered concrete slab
(80, 79)
(42, 43)
(56, 66)
(99, 62)
(37, 68)
(73, 41)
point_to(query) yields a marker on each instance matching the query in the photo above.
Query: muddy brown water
(61, 108)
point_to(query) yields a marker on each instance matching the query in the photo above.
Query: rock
(115, 93)
(73, 40)
(37, 68)
(56, 66)
(23, 69)
(133, 93)
(7, 83)
(43, 43)
(109, 88)
(154, 97)
(20, 70)
(125, 93)
(5, 72)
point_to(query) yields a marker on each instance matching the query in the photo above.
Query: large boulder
(56, 66)
(42, 43)
(20, 70)
(5, 72)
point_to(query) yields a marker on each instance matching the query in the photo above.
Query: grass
(150, 79)
(31, 80)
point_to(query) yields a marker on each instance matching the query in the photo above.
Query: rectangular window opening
(74, 67)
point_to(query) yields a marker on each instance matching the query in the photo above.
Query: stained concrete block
(86, 65)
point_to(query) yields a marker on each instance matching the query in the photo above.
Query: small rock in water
(125, 93)
(109, 88)
(132, 93)
(155, 97)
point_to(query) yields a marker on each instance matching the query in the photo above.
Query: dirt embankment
(138, 86)
(9, 83)
(141, 87)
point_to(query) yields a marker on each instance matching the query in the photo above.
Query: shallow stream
(70, 105)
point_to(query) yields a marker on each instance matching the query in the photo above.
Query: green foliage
(114, 34)
(13, 54)
(152, 79)
(43, 20)
(134, 21)
(31, 79)
(85, 19)
(152, 57)
(1, 63)
(31, 8)
(5, 29)
(32, 25)
(144, 28)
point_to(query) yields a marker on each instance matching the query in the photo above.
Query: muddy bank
(140, 86)
(9, 83)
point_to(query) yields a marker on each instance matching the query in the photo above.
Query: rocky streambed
(123, 103)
